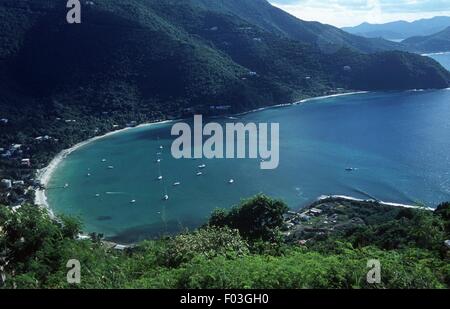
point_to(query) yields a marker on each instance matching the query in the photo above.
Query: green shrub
(257, 218)
(207, 242)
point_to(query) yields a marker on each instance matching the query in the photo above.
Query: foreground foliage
(37, 249)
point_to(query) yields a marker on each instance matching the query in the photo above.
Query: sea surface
(442, 58)
(398, 144)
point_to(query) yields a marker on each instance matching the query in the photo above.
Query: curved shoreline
(302, 101)
(44, 175)
(350, 198)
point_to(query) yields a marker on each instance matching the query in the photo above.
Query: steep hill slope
(270, 18)
(142, 60)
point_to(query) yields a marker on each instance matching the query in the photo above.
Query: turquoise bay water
(398, 141)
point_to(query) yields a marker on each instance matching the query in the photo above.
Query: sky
(343, 13)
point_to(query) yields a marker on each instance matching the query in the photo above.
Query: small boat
(158, 161)
(103, 160)
(176, 183)
(160, 177)
(165, 197)
(132, 201)
(350, 169)
(161, 147)
(202, 166)
(88, 174)
(66, 185)
(97, 195)
(199, 174)
(110, 167)
(231, 181)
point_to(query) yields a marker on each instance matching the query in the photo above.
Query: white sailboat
(160, 177)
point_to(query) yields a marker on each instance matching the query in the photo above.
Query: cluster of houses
(307, 215)
(9, 184)
(15, 150)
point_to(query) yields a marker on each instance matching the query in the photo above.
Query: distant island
(401, 30)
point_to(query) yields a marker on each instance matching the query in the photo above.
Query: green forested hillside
(170, 54)
(269, 18)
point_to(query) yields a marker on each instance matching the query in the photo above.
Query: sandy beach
(350, 198)
(302, 101)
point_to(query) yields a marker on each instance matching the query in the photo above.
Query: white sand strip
(350, 198)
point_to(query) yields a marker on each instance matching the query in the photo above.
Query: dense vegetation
(37, 249)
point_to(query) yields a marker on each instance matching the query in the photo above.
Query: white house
(315, 211)
(7, 183)
(18, 183)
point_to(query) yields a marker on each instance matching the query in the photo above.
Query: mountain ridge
(401, 29)
(145, 60)
(273, 19)
(438, 42)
